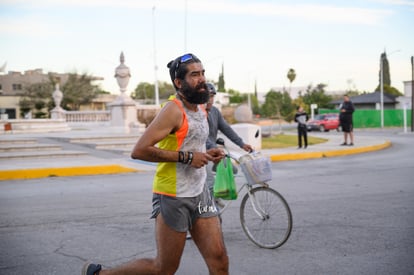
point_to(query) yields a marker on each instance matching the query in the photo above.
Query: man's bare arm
(167, 121)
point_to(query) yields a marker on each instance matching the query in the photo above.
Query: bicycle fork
(256, 205)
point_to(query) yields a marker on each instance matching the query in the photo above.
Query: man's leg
(299, 138)
(208, 237)
(170, 246)
(305, 137)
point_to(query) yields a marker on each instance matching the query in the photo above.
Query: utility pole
(156, 90)
(412, 93)
(185, 26)
(382, 89)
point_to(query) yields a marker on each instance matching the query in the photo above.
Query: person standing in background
(345, 118)
(301, 117)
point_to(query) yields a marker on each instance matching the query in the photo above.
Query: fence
(87, 116)
(372, 118)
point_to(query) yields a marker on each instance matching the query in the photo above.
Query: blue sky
(333, 42)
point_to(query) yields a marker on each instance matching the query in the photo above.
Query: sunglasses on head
(183, 59)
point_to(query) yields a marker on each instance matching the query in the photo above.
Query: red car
(324, 123)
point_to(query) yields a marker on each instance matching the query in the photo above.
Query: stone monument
(123, 109)
(57, 112)
(243, 114)
(249, 132)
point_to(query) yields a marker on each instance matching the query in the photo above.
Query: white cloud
(27, 27)
(309, 12)
(396, 2)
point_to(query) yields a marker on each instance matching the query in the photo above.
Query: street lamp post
(156, 91)
(382, 89)
(185, 26)
(412, 93)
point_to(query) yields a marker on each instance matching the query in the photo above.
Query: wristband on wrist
(190, 157)
(180, 156)
(185, 157)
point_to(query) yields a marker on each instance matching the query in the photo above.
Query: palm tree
(291, 75)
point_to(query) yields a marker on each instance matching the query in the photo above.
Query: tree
(255, 88)
(386, 81)
(317, 96)
(287, 110)
(78, 90)
(145, 91)
(25, 106)
(237, 97)
(255, 105)
(36, 97)
(385, 70)
(271, 106)
(221, 82)
(278, 104)
(299, 102)
(391, 90)
(291, 75)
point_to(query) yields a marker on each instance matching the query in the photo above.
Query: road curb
(330, 153)
(64, 172)
(116, 169)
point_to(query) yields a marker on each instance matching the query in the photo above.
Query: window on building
(17, 87)
(11, 113)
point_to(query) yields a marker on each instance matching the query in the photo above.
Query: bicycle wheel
(265, 217)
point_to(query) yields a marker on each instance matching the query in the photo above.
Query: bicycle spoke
(266, 218)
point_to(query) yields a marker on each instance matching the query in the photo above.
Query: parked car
(324, 123)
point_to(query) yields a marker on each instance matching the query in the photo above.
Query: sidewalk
(331, 148)
(100, 162)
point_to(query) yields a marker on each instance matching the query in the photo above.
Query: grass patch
(284, 141)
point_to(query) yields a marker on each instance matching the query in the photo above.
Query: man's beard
(194, 95)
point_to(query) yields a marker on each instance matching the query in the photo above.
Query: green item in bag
(224, 184)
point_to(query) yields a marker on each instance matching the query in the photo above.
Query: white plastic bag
(256, 167)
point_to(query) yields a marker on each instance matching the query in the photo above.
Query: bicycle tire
(274, 228)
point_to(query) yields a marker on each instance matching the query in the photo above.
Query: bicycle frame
(265, 215)
(256, 206)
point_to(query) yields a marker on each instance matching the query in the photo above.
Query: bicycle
(265, 215)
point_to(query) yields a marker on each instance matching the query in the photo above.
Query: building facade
(12, 87)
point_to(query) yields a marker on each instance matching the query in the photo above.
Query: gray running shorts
(181, 213)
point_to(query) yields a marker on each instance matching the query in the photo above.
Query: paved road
(352, 215)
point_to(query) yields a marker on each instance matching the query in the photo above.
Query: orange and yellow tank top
(175, 178)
